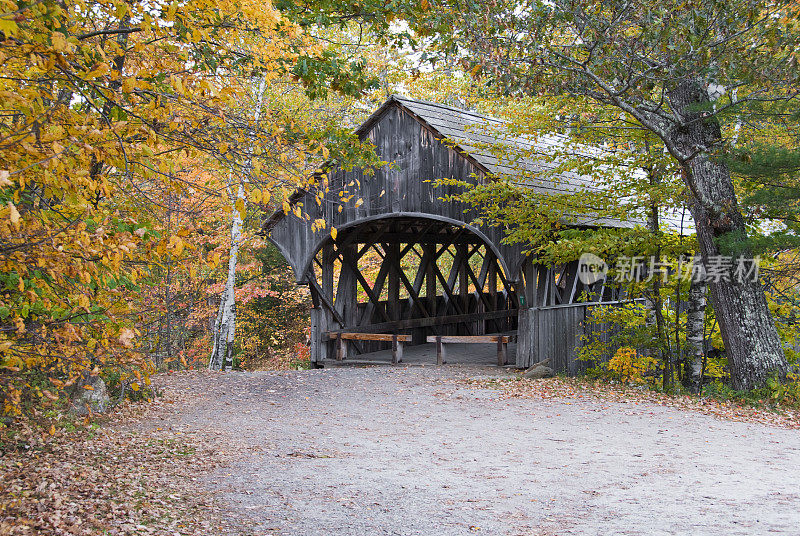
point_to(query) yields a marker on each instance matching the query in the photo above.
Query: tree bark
(695, 333)
(657, 303)
(752, 345)
(225, 327)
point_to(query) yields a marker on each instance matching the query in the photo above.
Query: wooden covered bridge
(407, 268)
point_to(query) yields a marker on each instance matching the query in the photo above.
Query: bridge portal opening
(413, 276)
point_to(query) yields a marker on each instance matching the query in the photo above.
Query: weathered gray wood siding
(556, 333)
(404, 187)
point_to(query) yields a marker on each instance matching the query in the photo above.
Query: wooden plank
(386, 337)
(470, 339)
(429, 238)
(523, 335)
(347, 289)
(401, 325)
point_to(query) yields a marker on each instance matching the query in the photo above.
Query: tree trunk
(657, 303)
(751, 341)
(695, 333)
(225, 326)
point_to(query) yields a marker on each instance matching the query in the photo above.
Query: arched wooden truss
(428, 277)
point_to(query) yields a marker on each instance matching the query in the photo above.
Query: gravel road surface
(416, 451)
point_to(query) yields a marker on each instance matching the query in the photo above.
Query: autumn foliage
(124, 125)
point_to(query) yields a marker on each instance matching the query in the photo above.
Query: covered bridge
(407, 266)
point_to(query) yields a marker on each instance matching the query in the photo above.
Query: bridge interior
(410, 275)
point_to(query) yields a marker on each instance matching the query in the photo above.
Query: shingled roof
(492, 147)
(529, 162)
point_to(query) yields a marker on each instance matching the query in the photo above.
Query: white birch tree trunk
(225, 326)
(695, 327)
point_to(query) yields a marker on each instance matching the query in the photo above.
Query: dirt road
(414, 451)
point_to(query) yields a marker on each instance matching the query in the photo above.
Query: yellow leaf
(333, 233)
(59, 41)
(255, 196)
(126, 337)
(222, 147)
(88, 387)
(14, 215)
(129, 84)
(359, 202)
(177, 245)
(8, 26)
(135, 386)
(52, 429)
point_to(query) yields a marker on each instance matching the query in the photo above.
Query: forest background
(135, 136)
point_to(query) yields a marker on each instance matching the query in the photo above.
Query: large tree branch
(116, 31)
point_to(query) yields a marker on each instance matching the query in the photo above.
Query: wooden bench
(501, 340)
(396, 340)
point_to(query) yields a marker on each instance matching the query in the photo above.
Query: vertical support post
(502, 351)
(439, 350)
(531, 272)
(341, 347)
(493, 291)
(393, 257)
(326, 318)
(397, 350)
(346, 293)
(317, 328)
(429, 251)
(463, 281)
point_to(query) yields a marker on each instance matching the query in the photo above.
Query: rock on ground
(89, 395)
